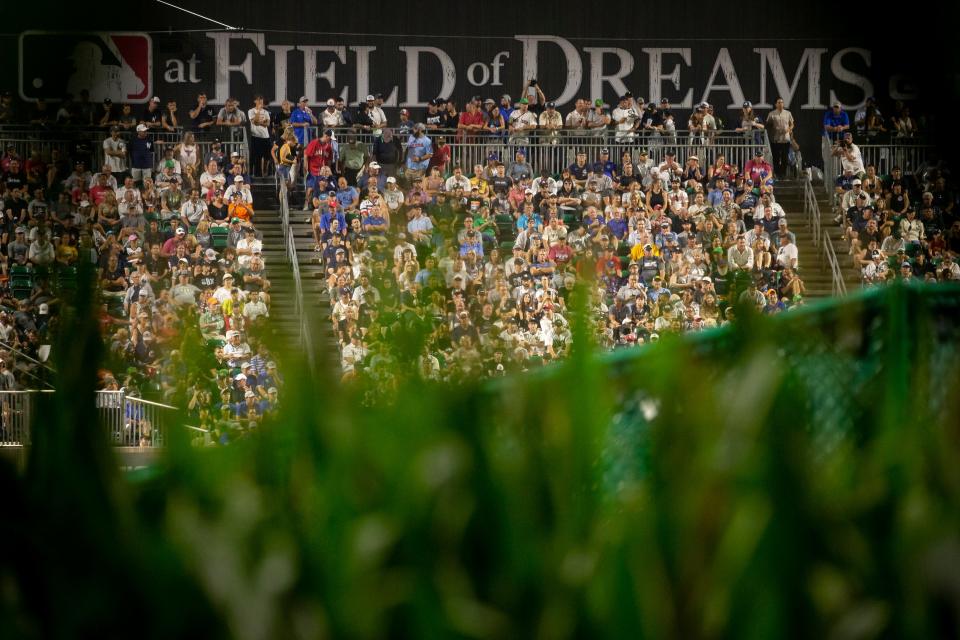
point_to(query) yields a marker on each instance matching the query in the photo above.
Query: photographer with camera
(534, 95)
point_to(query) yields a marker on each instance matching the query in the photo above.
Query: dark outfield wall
(809, 58)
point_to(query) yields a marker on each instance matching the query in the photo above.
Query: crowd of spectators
(477, 260)
(477, 264)
(895, 226)
(179, 270)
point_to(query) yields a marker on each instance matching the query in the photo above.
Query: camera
(533, 83)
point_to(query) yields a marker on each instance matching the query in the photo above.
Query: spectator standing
(260, 141)
(419, 152)
(203, 115)
(115, 152)
(301, 119)
(835, 123)
(780, 125)
(141, 154)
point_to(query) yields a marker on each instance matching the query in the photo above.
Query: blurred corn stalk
(794, 477)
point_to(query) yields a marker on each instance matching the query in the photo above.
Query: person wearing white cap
(377, 116)
(241, 187)
(141, 154)
(152, 117)
(330, 117)
(236, 350)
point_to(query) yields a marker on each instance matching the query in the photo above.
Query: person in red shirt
(441, 155)
(99, 190)
(561, 253)
(758, 169)
(318, 154)
(471, 123)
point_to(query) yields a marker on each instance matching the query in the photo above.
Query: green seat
(218, 237)
(506, 246)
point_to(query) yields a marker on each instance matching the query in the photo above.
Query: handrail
(306, 339)
(822, 240)
(10, 347)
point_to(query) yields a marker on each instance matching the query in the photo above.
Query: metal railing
(821, 240)
(26, 140)
(556, 150)
(305, 336)
(132, 421)
(16, 414)
(907, 154)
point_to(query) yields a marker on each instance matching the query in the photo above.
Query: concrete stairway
(814, 270)
(316, 300)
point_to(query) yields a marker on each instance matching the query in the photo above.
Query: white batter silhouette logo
(110, 65)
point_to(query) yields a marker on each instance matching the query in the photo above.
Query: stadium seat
(218, 237)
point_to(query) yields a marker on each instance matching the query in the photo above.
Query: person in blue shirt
(472, 242)
(835, 122)
(141, 154)
(618, 226)
(604, 165)
(328, 217)
(715, 196)
(419, 150)
(506, 107)
(528, 216)
(347, 196)
(301, 120)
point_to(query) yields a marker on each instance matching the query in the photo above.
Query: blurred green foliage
(789, 477)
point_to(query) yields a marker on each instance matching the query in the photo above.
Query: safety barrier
(65, 141)
(132, 421)
(556, 150)
(821, 240)
(16, 412)
(907, 154)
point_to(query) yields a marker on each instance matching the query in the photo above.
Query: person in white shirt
(625, 117)
(260, 142)
(193, 209)
(457, 179)
(239, 186)
(520, 121)
(255, 307)
(377, 116)
(787, 254)
(353, 353)
(115, 151)
(330, 116)
(545, 179)
(211, 180)
(248, 246)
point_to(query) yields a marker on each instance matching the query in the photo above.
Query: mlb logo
(116, 65)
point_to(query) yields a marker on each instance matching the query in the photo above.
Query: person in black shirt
(203, 115)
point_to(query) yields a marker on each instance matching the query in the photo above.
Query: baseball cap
(747, 103)
(370, 97)
(374, 165)
(523, 101)
(238, 179)
(303, 99)
(856, 182)
(598, 102)
(43, 309)
(551, 105)
(141, 127)
(664, 101)
(154, 99)
(181, 231)
(227, 276)
(331, 102)
(506, 97)
(875, 254)
(391, 180)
